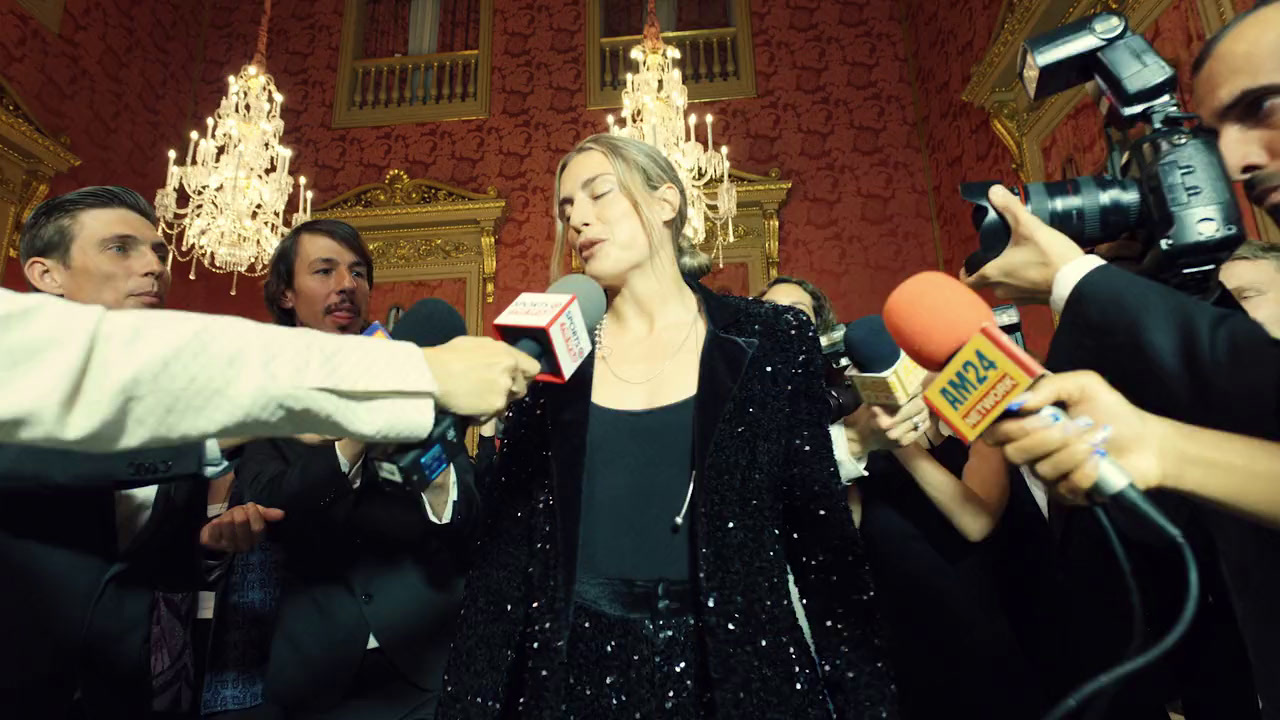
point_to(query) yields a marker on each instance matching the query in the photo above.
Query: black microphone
(429, 323)
(886, 375)
(559, 343)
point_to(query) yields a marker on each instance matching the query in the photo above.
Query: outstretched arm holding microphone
(1230, 470)
(74, 378)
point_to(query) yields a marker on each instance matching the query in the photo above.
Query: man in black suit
(373, 571)
(87, 541)
(1171, 355)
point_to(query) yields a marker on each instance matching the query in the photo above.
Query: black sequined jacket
(767, 496)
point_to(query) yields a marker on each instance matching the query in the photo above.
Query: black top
(635, 479)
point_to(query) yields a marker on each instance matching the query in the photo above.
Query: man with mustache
(372, 571)
(87, 542)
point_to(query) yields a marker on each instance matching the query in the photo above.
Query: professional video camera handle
(1179, 200)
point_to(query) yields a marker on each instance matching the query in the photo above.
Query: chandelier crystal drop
(654, 104)
(236, 179)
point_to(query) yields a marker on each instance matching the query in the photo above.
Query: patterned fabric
(243, 624)
(173, 681)
(660, 653)
(767, 497)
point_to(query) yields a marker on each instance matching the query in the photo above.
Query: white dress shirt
(352, 471)
(1070, 275)
(851, 468)
(86, 378)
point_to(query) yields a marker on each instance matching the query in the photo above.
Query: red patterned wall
(408, 292)
(834, 113)
(114, 80)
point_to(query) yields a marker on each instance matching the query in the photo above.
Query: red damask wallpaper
(407, 292)
(114, 80)
(834, 113)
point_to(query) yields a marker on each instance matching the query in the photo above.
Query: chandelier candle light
(236, 178)
(653, 107)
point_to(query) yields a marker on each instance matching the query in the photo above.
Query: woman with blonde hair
(644, 515)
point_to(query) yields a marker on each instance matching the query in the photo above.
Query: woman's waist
(635, 598)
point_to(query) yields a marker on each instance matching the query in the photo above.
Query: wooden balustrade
(413, 88)
(715, 64)
(415, 80)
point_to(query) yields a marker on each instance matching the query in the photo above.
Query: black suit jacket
(766, 496)
(356, 561)
(75, 612)
(1185, 359)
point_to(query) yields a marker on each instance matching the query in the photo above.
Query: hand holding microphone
(479, 376)
(1066, 453)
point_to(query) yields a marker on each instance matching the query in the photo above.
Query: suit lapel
(724, 360)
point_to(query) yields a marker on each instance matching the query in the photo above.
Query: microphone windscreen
(429, 323)
(590, 296)
(931, 315)
(869, 346)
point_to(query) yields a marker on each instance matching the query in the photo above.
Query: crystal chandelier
(237, 180)
(653, 110)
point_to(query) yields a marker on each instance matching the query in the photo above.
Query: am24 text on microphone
(948, 328)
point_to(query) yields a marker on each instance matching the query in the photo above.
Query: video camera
(1170, 187)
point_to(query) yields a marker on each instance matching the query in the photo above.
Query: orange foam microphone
(947, 328)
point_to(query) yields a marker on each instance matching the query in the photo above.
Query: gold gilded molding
(398, 190)
(489, 261)
(415, 253)
(48, 12)
(30, 156)
(770, 218)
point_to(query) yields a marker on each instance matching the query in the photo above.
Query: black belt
(636, 598)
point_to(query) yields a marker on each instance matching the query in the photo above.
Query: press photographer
(1169, 353)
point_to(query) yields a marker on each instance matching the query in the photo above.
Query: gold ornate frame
(755, 228)
(426, 230)
(29, 159)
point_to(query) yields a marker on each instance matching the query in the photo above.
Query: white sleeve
(83, 377)
(1069, 276)
(850, 467)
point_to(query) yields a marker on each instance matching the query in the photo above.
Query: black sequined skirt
(634, 652)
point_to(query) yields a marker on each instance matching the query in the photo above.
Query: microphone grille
(590, 295)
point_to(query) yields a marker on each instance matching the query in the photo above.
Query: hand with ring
(873, 427)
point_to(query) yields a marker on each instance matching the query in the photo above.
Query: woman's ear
(668, 202)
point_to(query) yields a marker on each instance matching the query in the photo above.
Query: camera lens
(1085, 209)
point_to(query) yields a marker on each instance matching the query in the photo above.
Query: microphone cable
(1134, 500)
(1137, 616)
